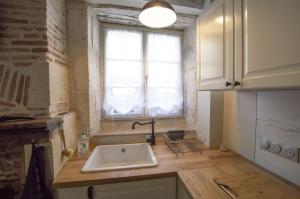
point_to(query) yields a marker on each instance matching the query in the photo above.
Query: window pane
(124, 101)
(123, 45)
(164, 75)
(164, 86)
(124, 74)
(163, 48)
(164, 102)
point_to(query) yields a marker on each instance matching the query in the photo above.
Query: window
(142, 74)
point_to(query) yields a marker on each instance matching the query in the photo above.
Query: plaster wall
(239, 120)
(84, 60)
(203, 112)
(94, 70)
(189, 75)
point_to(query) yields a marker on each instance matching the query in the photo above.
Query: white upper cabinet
(266, 47)
(216, 46)
(268, 42)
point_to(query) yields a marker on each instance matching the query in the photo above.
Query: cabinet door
(163, 188)
(267, 43)
(216, 46)
(182, 192)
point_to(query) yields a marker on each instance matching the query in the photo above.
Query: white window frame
(103, 26)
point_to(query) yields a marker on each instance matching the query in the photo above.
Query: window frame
(145, 30)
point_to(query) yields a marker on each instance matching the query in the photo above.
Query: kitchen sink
(120, 156)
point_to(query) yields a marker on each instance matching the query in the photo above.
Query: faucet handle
(153, 120)
(148, 138)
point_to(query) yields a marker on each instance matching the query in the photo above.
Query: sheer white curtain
(124, 73)
(164, 85)
(125, 91)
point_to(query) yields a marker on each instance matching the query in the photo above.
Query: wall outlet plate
(281, 149)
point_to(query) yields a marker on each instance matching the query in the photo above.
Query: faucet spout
(150, 138)
(133, 125)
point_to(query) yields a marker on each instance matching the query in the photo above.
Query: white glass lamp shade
(157, 14)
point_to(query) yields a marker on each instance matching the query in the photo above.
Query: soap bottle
(83, 144)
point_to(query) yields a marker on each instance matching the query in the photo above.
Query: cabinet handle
(227, 84)
(236, 83)
(90, 192)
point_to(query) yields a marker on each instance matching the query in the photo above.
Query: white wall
(278, 119)
(250, 116)
(203, 112)
(239, 120)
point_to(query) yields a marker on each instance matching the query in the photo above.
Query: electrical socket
(280, 149)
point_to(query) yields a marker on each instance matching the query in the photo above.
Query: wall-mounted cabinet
(261, 50)
(216, 46)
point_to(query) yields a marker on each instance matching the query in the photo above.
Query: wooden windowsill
(137, 132)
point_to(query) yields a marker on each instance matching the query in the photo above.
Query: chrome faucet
(150, 138)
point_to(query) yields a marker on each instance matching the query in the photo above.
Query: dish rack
(190, 142)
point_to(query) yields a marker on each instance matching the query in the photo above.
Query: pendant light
(157, 14)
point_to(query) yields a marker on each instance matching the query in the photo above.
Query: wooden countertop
(246, 180)
(195, 170)
(168, 165)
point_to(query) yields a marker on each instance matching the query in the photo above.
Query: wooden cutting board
(244, 181)
(253, 185)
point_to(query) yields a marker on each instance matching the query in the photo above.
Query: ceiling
(129, 16)
(127, 11)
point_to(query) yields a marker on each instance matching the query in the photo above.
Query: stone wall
(23, 67)
(12, 159)
(15, 151)
(57, 56)
(33, 65)
(33, 80)
(12, 163)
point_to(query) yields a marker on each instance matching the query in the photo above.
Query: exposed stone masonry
(32, 46)
(57, 56)
(56, 33)
(22, 32)
(33, 74)
(12, 159)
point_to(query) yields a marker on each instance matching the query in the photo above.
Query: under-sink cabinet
(161, 188)
(249, 44)
(182, 192)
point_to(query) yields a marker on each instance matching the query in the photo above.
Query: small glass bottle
(83, 144)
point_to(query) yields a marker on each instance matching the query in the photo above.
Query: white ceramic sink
(122, 156)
